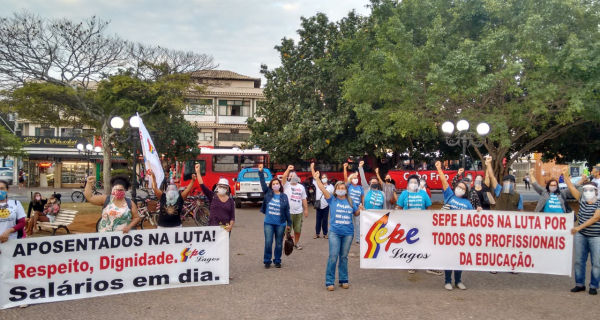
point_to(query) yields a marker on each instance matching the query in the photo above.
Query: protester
(48, 214)
(551, 200)
(118, 212)
(323, 209)
(587, 234)
(473, 196)
(36, 204)
(340, 232)
(357, 194)
(298, 204)
(12, 215)
(423, 186)
(454, 200)
(276, 209)
(21, 179)
(481, 187)
(171, 203)
(374, 197)
(222, 205)
(527, 179)
(389, 189)
(508, 199)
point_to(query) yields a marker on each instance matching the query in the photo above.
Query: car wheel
(238, 202)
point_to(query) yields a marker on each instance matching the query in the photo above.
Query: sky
(239, 34)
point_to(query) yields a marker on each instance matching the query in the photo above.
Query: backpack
(107, 201)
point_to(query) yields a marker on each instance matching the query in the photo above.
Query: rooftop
(224, 75)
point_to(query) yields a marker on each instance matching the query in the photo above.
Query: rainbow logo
(186, 253)
(374, 235)
(150, 146)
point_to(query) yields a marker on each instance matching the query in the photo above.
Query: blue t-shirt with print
(273, 214)
(553, 205)
(455, 202)
(498, 190)
(340, 221)
(355, 193)
(374, 199)
(414, 200)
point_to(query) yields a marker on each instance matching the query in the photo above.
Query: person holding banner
(221, 205)
(454, 200)
(118, 212)
(587, 234)
(171, 203)
(552, 200)
(357, 194)
(341, 232)
(12, 215)
(276, 208)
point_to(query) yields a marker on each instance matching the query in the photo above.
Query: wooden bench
(63, 219)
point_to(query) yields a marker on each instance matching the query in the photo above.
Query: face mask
(478, 182)
(413, 186)
(118, 194)
(422, 184)
(222, 191)
(507, 187)
(340, 192)
(589, 195)
(276, 187)
(3, 195)
(172, 194)
(375, 186)
(459, 192)
(324, 180)
(38, 198)
(552, 189)
(295, 180)
(354, 181)
(388, 180)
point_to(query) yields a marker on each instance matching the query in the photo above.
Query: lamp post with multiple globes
(134, 136)
(464, 137)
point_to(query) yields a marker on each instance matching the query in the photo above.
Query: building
(221, 111)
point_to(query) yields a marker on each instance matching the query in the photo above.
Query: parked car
(563, 185)
(5, 169)
(7, 176)
(247, 186)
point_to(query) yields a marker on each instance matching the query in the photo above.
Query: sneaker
(578, 289)
(448, 286)
(593, 291)
(278, 265)
(436, 272)
(267, 265)
(493, 272)
(297, 247)
(461, 286)
(330, 288)
(411, 271)
(346, 286)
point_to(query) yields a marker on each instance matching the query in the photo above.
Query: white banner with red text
(467, 240)
(49, 269)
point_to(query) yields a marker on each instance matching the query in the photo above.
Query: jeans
(356, 221)
(585, 246)
(339, 246)
(457, 276)
(270, 231)
(322, 219)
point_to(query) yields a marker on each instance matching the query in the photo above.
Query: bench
(63, 219)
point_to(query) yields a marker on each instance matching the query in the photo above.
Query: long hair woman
(118, 212)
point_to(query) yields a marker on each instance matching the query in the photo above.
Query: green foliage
(176, 138)
(10, 145)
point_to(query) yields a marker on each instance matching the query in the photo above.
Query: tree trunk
(107, 157)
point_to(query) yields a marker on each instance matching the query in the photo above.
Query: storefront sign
(53, 142)
(467, 240)
(39, 270)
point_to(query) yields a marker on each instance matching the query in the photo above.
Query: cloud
(239, 34)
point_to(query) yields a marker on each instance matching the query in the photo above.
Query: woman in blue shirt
(276, 209)
(357, 194)
(551, 200)
(341, 230)
(374, 197)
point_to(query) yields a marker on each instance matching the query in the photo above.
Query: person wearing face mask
(357, 194)
(12, 215)
(508, 199)
(222, 206)
(343, 208)
(298, 204)
(119, 213)
(51, 209)
(481, 189)
(374, 197)
(454, 200)
(587, 234)
(276, 208)
(473, 196)
(323, 210)
(36, 205)
(423, 186)
(389, 190)
(551, 200)
(171, 203)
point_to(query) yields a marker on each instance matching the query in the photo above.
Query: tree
(578, 144)
(528, 68)
(62, 72)
(10, 145)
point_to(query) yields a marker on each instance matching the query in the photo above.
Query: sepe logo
(377, 236)
(188, 253)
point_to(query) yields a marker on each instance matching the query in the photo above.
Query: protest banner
(49, 269)
(467, 240)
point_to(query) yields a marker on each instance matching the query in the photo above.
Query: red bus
(431, 176)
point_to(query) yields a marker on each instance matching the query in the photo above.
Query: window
(70, 132)
(234, 136)
(190, 168)
(237, 108)
(201, 107)
(252, 161)
(225, 163)
(44, 132)
(205, 136)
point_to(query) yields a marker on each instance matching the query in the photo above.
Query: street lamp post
(134, 122)
(88, 150)
(464, 137)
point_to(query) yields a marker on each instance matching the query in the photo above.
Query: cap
(509, 177)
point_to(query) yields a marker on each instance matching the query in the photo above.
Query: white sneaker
(411, 271)
(461, 286)
(436, 272)
(448, 286)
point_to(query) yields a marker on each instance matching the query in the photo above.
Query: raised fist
(312, 165)
(290, 168)
(565, 171)
(532, 171)
(91, 179)
(150, 172)
(488, 160)
(461, 171)
(377, 170)
(260, 167)
(438, 165)
(316, 175)
(361, 164)
(345, 166)
(197, 167)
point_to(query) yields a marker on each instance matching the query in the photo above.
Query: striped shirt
(586, 212)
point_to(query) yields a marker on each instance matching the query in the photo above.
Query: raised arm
(286, 174)
(534, 183)
(96, 200)
(190, 186)
(363, 180)
(320, 185)
(574, 192)
(490, 170)
(438, 166)
(155, 187)
(379, 177)
(486, 181)
(457, 177)
(261, 177)
(345, 173)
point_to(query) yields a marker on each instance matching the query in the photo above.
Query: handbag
(317, 204)
(288, 244)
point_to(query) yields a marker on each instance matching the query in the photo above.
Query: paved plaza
(297, 291)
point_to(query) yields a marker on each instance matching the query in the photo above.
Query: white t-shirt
(9, 217)
(295, 195)
(319, 194)
(597, 181)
